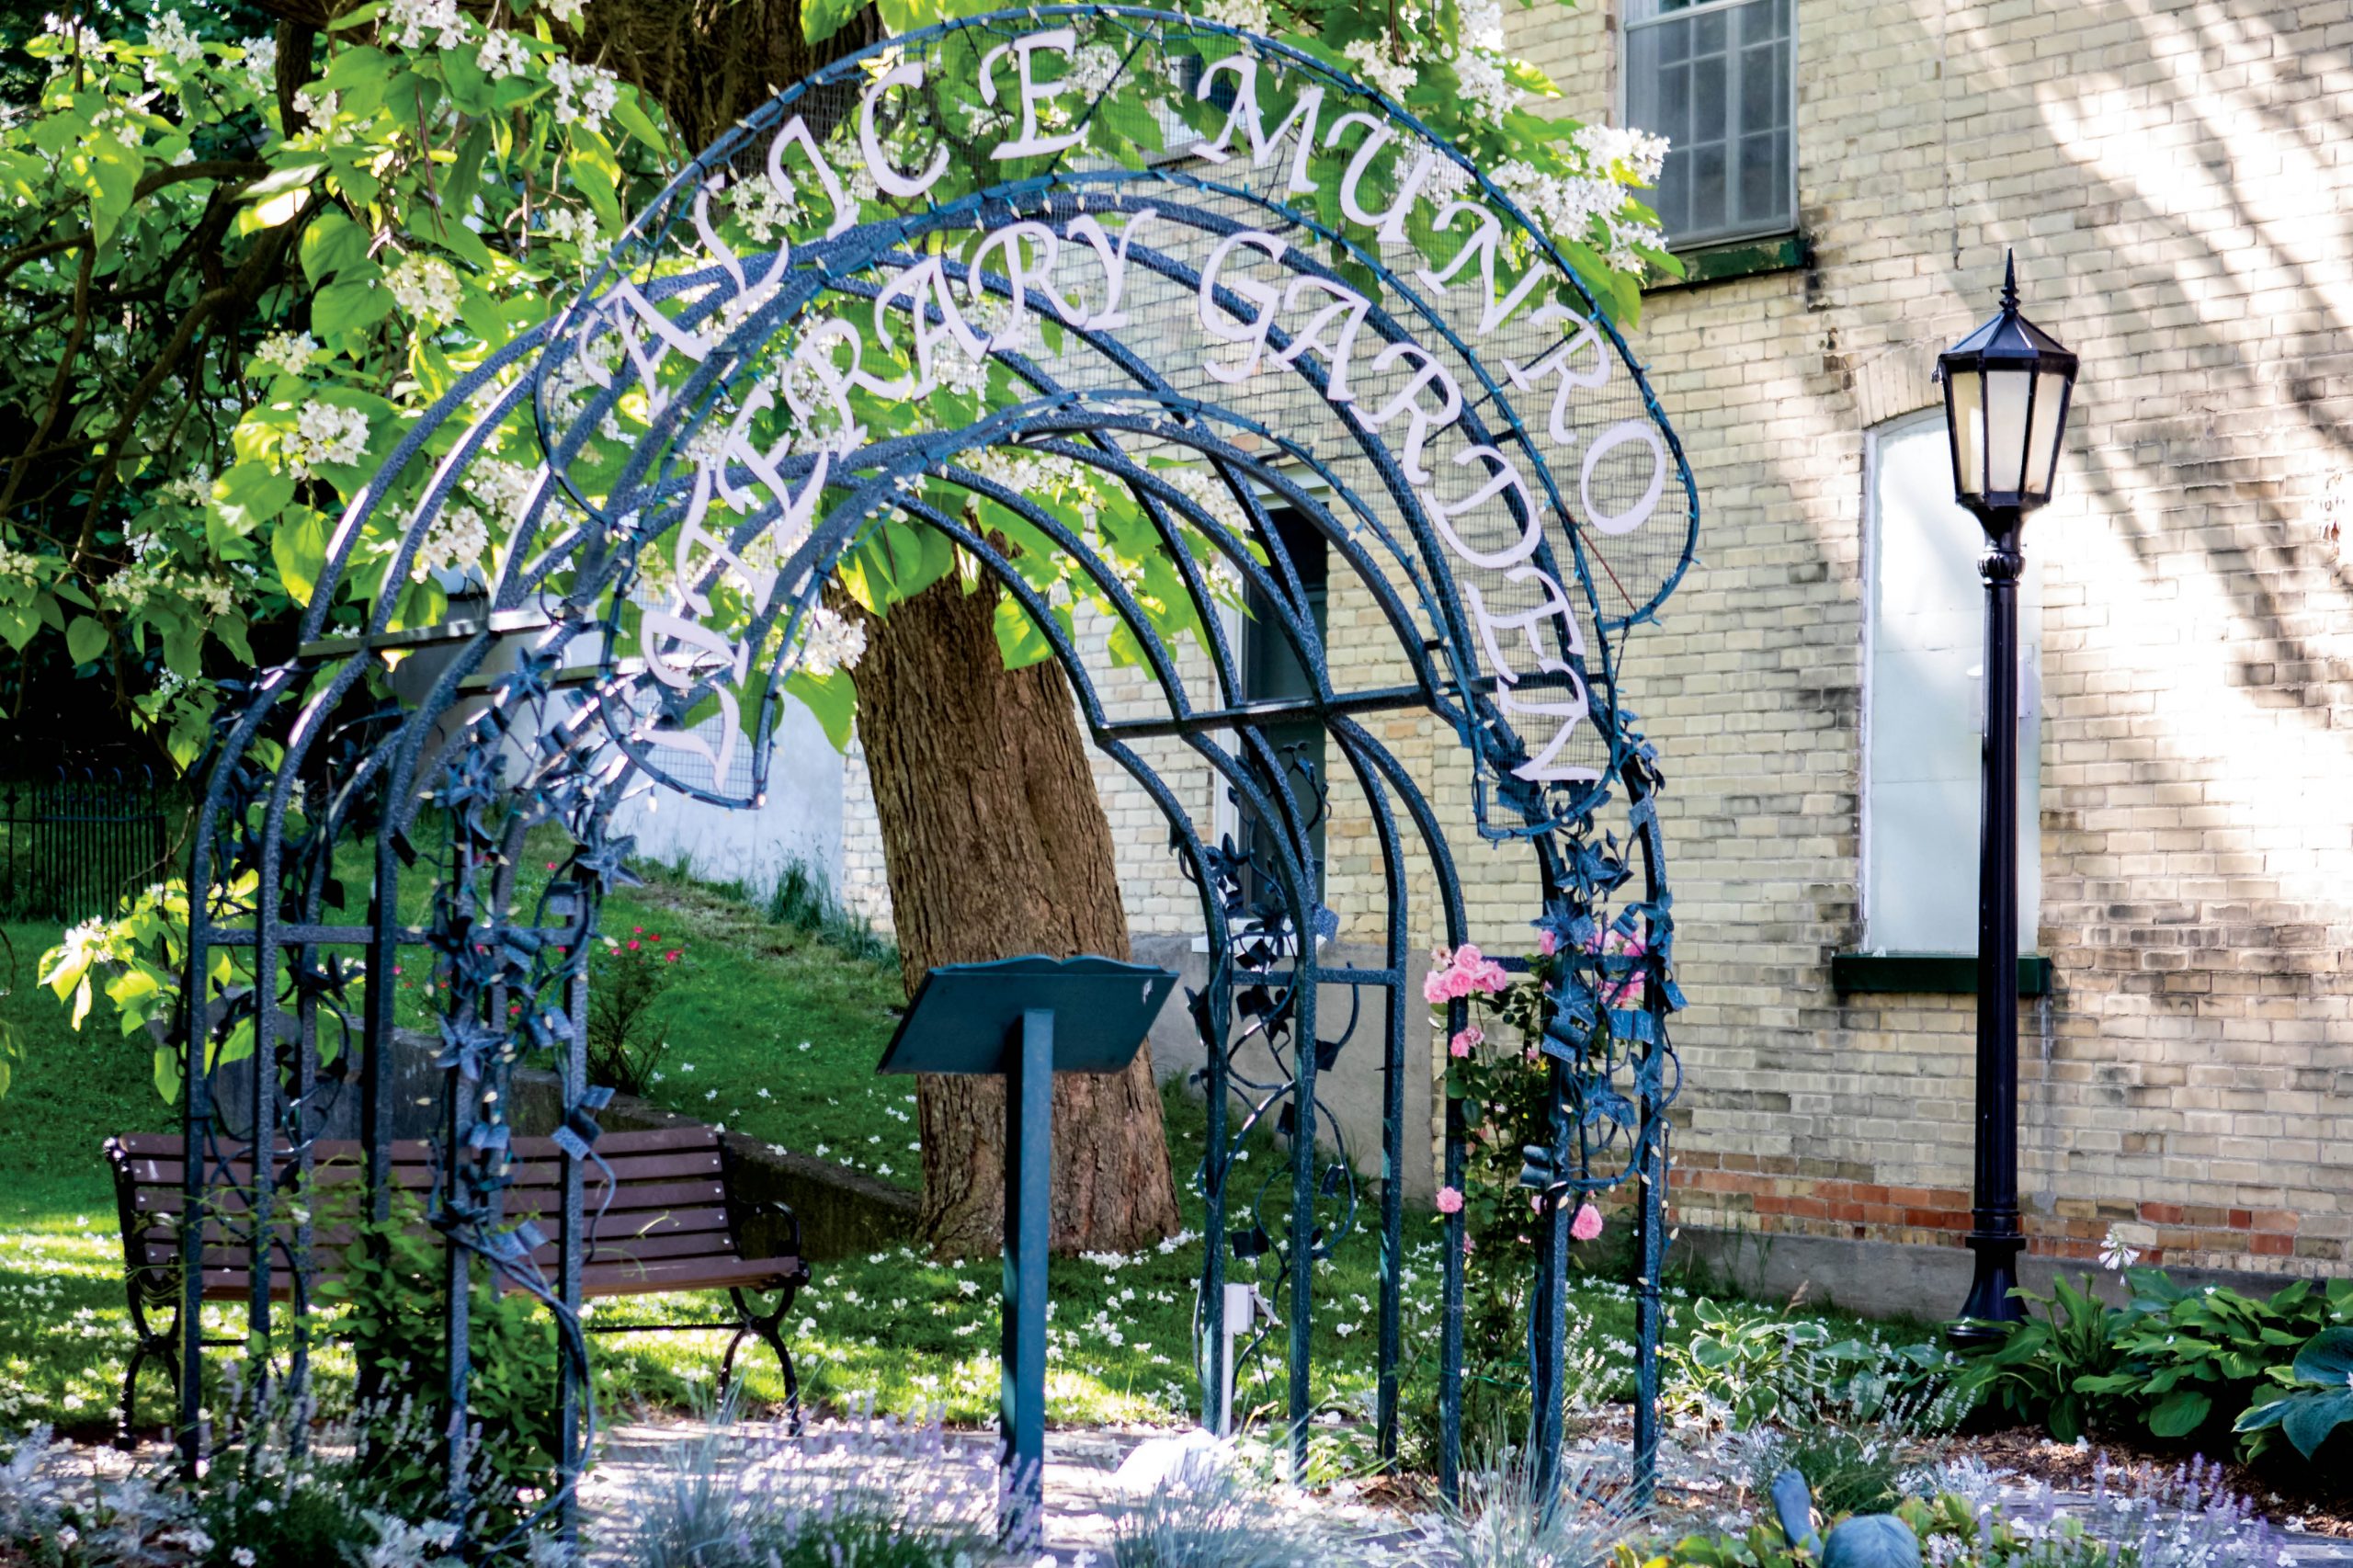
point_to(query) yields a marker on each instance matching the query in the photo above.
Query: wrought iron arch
(724, 362)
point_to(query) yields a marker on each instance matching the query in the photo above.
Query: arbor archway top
(1004, 218)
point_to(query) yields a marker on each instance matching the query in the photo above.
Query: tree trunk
(996, 845)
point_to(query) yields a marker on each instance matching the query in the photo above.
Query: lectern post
(1026, 1020)
(1021, 1402)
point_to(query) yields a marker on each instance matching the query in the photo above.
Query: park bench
(670, 1221)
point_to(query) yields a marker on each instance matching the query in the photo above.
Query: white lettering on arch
(925, 287)
(1422, 420)
(1485, 246)
(888, 180)
(1347, 307)
(1560, 361)
(1638, 514)
(1246, 116)
(1115, 265)
(1389, 224)
(1504, 481)
(1031, 142)
(1264, 296)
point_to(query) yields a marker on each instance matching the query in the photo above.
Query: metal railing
(72, 841)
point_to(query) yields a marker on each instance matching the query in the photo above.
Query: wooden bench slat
(148, 1171)
(416, 1151)
(531, 1201)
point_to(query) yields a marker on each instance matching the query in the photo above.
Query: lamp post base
(1990, 1303)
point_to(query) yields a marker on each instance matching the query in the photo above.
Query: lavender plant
(1502, 1521)
(864, 1495)
(1213, 1515)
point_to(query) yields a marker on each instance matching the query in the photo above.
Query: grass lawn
(773, 1032)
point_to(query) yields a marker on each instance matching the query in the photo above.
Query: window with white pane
(1716, 78)
(1924, 702)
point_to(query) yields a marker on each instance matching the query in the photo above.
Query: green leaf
(167, 1074)
(84, 638)
(349, 304)
(2328, 1359)
(2313, 1417)
(331, 243)
(821, 19)
(633, 119)
(248, 495)
(1018, 638)
(833, 699)
(107, 172)
(300, 549)
(2179, 1414)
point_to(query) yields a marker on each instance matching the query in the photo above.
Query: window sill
(1735, 259)
(1941, 974)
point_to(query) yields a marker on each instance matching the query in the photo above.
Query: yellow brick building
(2176, 182)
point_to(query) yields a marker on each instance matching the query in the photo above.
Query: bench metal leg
(768, 1329)
(126, 1421)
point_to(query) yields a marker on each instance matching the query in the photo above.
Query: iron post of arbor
(2006, 387)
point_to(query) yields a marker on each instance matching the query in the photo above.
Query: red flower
(670, 955)
(632, 944)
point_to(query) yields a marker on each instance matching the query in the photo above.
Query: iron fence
(72, 841)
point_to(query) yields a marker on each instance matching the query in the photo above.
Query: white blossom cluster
(435, 24)
(1093, 69)
(326, 432)
(1638, 153)
(1025, 472)
(191, 489)
(1247, 15)
(318, 109)
(765, 208)
(829, 641)
(504, 54)
(576, 226)
(425, 287)
(583, 94)
(505, 487)
(1563, 205)
(261, 64)
(1208, 492)
(565, 11)
(170, 38)
(457, 541)
(288, 353)
(1376, 69)
(16, 566)
(1486, 87)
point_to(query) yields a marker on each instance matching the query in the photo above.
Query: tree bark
(996, 845)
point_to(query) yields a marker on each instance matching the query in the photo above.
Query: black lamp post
(2006, 389)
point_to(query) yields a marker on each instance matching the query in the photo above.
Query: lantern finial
(2009, 281)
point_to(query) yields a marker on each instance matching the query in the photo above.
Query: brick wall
(2176, 182)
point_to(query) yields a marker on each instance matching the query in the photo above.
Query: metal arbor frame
(537, 720)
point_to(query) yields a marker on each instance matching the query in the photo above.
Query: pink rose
(1434, 985)
(1467, 1039)
(1466, 957)
(1455, 983)
(1491, 978)
(1547, 943)
(1449, 1200)
(1586, 1223)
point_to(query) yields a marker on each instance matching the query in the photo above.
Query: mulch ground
(2324, 1506)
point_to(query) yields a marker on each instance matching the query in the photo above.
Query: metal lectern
(1027, 1019)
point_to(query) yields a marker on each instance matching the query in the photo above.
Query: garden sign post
(1027, 1019)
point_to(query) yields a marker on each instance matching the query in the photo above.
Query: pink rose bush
(1463, 974)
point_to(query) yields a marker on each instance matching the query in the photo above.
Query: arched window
(1923, 701)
